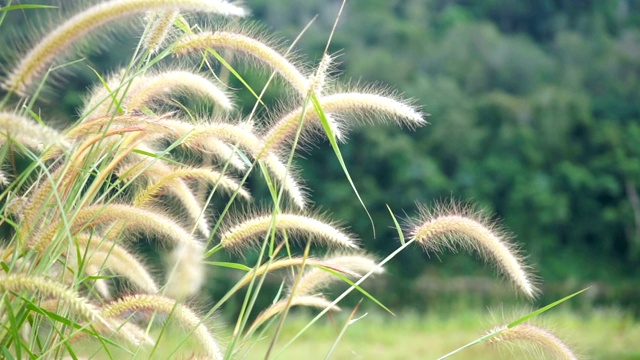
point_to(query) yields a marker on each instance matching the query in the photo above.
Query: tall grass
(144, 164)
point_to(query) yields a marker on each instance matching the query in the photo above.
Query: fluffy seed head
(184, 316)
(246, 45)
(52, 289)
(155, 86)
(162, 22)
(352, 103)
(538, 336)
(317, 278)
(460, 225)
(317, 302)
(78, 26)
(118, 260)
(186, 271)
(29, 133)
(254, 229)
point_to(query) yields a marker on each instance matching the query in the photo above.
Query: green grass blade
(235, 73)
(229, 265)
(474, 342)
(543, 309)
(350, 321)
(398, 227)
(336, 150)
(357, 287)
(26, 6)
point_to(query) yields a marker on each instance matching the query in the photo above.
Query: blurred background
(534, 111)
(534, 116)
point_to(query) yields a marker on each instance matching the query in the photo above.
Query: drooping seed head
(313, 301)
(351, 105)
(117, 259)
(184, 317)
(29, 133)
(317, 278)
(528, 334)
(186, 271)
(249, 46)
(459, 225)
(162, 22)
(253, 229)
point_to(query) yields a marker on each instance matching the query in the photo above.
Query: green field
(597, 334)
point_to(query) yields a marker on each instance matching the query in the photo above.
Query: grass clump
(143, 165)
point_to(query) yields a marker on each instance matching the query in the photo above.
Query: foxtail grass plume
(352, 103)
(36, 61)
(249, 46)
(313, 280)
(185, 271)
(142, 220)
(160, 27)
(461, 225)
(314, 301)
(116, 259)
(294, 261)
(29, 133)
(142, 90)
(184, 317)
(528, 334)
(185, 81)
(221, 181)
(245, 233)
(53, 290)
(161, 176)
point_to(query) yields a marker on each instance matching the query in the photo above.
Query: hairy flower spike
(317, 278)
(283, 130)
(29, 133)
(162, 22)
(460, 226)
(78, 26)
(118, 260)
(185, 318)
(253, 229)
(155, 86)
(313, 301)
(145, 220)
(534, 335)
(51, 289)
(247, 46)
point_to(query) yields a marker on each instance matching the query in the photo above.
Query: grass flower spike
(162, 22)
(35, 62)
(248, 46)
(460, 225)
(534, 335)
(185, 318)
(253, 229)
(284, 129)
